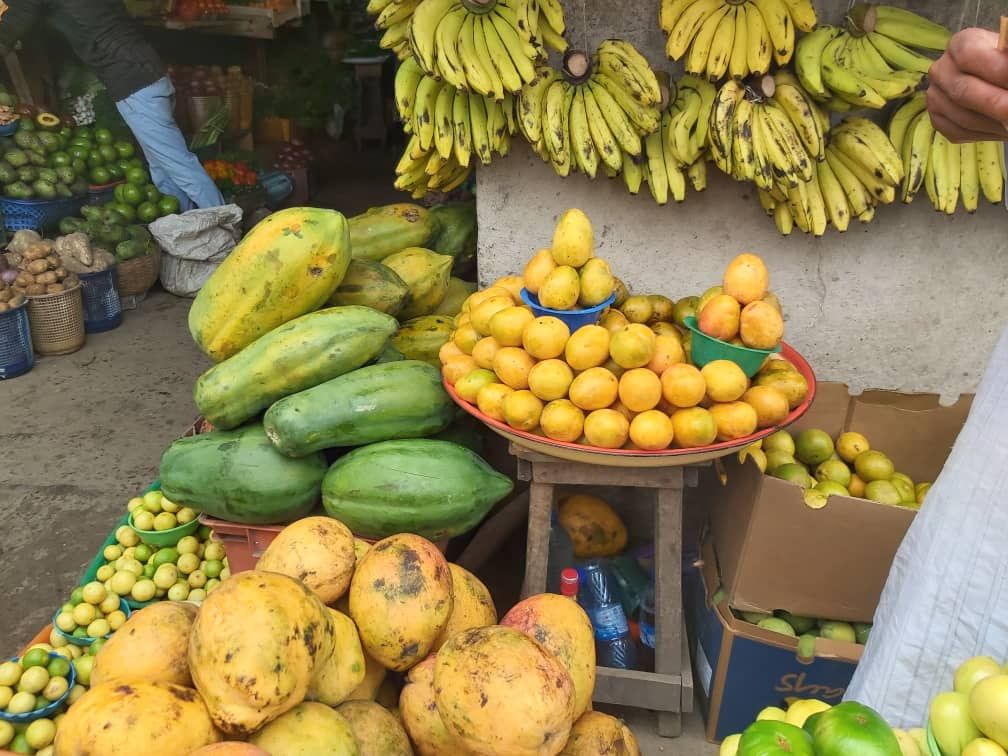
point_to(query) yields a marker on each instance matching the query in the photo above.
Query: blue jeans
(174, 169)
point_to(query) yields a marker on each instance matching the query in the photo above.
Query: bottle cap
(569, 581)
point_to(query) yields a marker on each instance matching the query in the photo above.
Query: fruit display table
(669, 689)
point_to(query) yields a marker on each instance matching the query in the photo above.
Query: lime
(80, 166)
(214, 551)
(197, 594)
(115, 171)
(213, 568)
(124, 149)
(10, 673)
(137, 176)
(6, 733)
(33, 680)
(794, 473)
(83, 665)
(143, 553)
(111, 602)
(835, 470)
(779, 441)
(95, 159)
(203, 532)
(165, 521)
(99, 628)
(166, 576)
(211, 584)
(40, 733)
(37, 657)
(153, 195)
(103, 136)
(79, 151)
(850, 444)
(116, 619)
(58, 159)
(21, 703)
(187, 545)
(152, 501)
(144, 590)
(55, 688)
(95, 647)
(147, 212)
(129, 565)
(100, 175)
(185, 515)
(813, 446)
(79, 633)
(125, 210)
(831, 488)
(94, 593)
(20, 742)
(921, 490)
(122, 583)
(112, 552)
(132, 194)
(143, 520)
(135, 162)
(58, 667)
(197, 579)
(136, 502)
(167, 555)
(84, 614)
(179, 591)
(873, 465)
(883, 492)
(905, 489)
(168, 205)
(6, 693)
(904, 477)
(149, 570)
(76, 595)
(65, 622)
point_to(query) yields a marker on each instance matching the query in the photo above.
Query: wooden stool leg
(537, 550)
(668, 597)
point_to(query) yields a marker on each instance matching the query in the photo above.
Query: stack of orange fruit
(616, 384)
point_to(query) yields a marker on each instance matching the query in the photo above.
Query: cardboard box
(741, 669)
(775, 552)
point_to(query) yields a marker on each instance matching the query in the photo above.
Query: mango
(638, 309)
(789, 382)
(760, 325)
(426, 274)
(318, 551)
(606, 429)
(662, 308)
(499, 691)
(594, 389)
(562, 420)
(374, 676)
(306, 730)
(561, 289)
(573, 239)
(230, 748)
(594, 527)
(587, 347)
(706, 297)
(596, 282)
(684, 308)
(746, 278)
(621, 291)
(719, 318)
(537, 269)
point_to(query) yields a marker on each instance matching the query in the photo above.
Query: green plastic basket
(704, 349)
(932, 743)
(163, 538)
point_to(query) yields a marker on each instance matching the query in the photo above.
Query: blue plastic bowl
(46, 711)
(704, 349)
(86, 641)
(9, 129)
(573, 318)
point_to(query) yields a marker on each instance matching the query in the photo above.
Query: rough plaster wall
(912, 301)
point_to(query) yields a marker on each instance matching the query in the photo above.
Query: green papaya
(371, 284)
(295, 356)
(458, 292)
(422, 338)
(375, 403)
(435, 489)
(238, 475)
(385, 230)
(456, 234)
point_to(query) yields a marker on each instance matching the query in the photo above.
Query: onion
(8, 276)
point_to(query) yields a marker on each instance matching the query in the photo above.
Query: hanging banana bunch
(874, 60)
(715, 38)
(450, 129)
(592, 116)
(947, 171)
(769, 132)
(861, 170)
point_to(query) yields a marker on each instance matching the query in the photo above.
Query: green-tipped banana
(899, 125)
(898, 55)
(916, 154)
(989, 165)
(808, 59)
(910, 29)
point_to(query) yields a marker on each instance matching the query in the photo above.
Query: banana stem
(861, 19)
(762, 87)
(576, 66)
(479, 7)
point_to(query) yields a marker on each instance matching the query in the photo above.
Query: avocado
(79, 187)
(113, 217)
(7, 173)
(62, 190)
(44, 189)
(65, 174)
(16, 158)
(91, 212)
(18, 190)
(47, 121)
(111, 234)
(26, 140)
(139, 232)
(70, 225)
(50, 142)
(129, 249)
(48, 174)
(36, 158)
(27, 174)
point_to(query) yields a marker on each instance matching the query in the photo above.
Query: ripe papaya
(382, 231)
(302, 353)
(289, 264)
(426, 274)
(371, 284)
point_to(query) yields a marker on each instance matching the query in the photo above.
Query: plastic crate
(37, 214)
(243, 544)
(16, 353)
(102, 194)
(102, 307)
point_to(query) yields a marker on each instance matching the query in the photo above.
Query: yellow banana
(697, 174)
(882, 191)
(498, 55)
(374, 7)
(582, 146)
(916, 154)
(858, 196)
(552, 12)
(759, 52)
(685, 117)
(721, 50)
(523, 54)
(669, 12)
(486, 60)
(407, 79)
(935, 193)
(809, 56)
(900, 122)
(738, 61)
(435, 163)
(605, 143)
(423, 26)
(687, 26)
(780, 26)
(789, 140)
(842, 80)
(798, 202)
(657, 176)
(700, 50)
(644, 117)
(778, 159)
(444, 135)
(674, 172)
(395, 13)
(834, 198)
(632, 172)
(783, 219)
(635, 66)
(423, 114)
(969, 183)
(866, 59)
(743, 147)
(802, 13)
(478, 131)
(552, 40)
(818, 214)
(989, 157)
(496, 124)
(866, 143)
(476, 73)
(446, 51)
(394, 36)
(801, 114)
(767, 201)
(722, 116)
(618, 122)
(763, 172)
(530, 104)
(953, 179)
(462, 141)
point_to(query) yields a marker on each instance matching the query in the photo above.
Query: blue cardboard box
(741, 669)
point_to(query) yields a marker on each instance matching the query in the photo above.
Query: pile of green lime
(154, 512)
(33, 682)
(93, 611)
(36, 737)
(95, 153)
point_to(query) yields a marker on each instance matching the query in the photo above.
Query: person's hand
(968, 93)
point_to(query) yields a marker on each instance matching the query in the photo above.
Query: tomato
(147, 212)
(120, 193)
(124, 149)
(168, 205)
(131, 194)
(137, 176)
(772, 738)
(153, 195)
(103, 136)
(100, 175)
(852, 728)
(126, 211)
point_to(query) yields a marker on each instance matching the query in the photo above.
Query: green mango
(772, 738)
(851, 728)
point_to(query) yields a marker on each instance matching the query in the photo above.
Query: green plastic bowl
(932, 743)
(704, 349)
(164, 537)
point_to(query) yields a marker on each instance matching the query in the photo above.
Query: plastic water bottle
(613, 644)
(561, 554)
(647, 629)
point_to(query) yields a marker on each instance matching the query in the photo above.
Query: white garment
(946, 598)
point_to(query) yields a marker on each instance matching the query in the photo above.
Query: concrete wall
(913, 301)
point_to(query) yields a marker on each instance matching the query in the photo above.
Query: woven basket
(136, 276)
(57, 322)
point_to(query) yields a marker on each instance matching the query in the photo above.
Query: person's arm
(968, 92)
(19, 17)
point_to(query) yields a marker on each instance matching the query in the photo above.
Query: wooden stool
(370, 124)
(669, 689)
